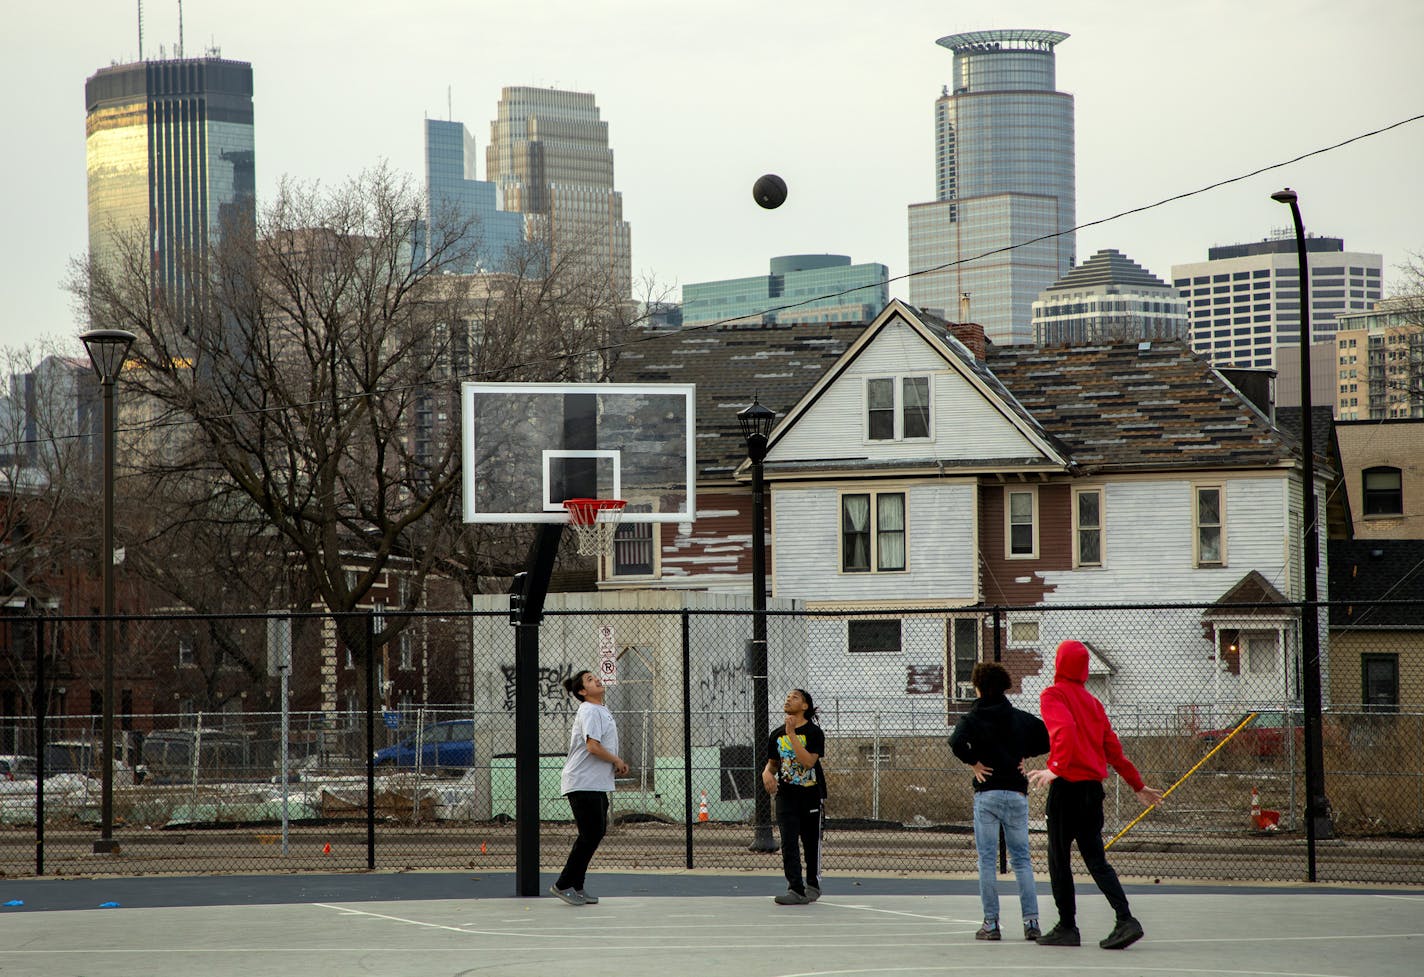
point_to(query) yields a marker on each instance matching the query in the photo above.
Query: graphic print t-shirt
(790, 772)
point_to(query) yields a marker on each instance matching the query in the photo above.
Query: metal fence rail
(202, 790)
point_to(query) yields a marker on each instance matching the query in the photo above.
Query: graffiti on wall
(553, 699)
(722, 703)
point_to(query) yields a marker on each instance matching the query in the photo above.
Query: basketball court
(448, 924)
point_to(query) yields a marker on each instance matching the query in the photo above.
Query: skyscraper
(170, 154)
(454, 195)
(549, 156)
(1004, 176)
(1244, 300)
(1108, 299)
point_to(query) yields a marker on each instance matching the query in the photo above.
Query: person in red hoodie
(1081, 747)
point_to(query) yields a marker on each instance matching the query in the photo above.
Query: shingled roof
(1366, 570)
(777, 363)
(1121, 407)
(1147, 406)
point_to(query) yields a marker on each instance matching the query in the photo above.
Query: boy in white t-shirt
(592, 762)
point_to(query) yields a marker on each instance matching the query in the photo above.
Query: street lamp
(756, 423)
(1317, 807)
(107, 350)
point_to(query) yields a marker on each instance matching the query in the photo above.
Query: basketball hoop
(595, 521)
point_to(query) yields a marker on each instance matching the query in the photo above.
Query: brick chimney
(971, 334)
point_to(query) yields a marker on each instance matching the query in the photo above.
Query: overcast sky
(837, 96)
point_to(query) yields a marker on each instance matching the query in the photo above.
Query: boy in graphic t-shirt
(794, 778)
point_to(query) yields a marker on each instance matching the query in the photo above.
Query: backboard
(530, 446)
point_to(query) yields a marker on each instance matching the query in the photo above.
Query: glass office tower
(1004, 176)
(455, 197)
(800, 288)
(170, 156)
(549, 156)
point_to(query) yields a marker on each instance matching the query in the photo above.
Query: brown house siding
(1055, 544)
(719, 543)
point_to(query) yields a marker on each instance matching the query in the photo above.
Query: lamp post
(756, 423)
(107, 349)
(1317, 808)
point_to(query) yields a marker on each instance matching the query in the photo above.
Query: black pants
(798, 816)
(1075, 814)
(590, 809)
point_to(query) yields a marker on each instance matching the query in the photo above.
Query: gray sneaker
(590, 900)
(812, 893)
(791, 898)
(569, 896)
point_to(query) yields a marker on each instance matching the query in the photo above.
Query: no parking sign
(607, 655)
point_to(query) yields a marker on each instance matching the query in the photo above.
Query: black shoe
(1127, 932)
(989, 931)
(1061, 935)
(1031, 933)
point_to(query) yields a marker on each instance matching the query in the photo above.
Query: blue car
(447, 744)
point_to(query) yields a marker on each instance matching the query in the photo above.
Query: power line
(612, 347)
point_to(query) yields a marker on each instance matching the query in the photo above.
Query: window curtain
(855, 531)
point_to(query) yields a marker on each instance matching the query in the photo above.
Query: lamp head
(107, 350)
(1286, 196)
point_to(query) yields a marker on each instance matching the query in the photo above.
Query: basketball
(769, 191)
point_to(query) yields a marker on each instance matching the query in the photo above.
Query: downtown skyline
(699, 103)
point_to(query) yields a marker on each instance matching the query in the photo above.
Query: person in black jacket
(994, 738)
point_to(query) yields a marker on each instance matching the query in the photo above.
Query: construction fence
(404, 758)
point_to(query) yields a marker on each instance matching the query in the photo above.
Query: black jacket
(997, 735)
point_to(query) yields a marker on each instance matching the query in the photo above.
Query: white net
(595, 521)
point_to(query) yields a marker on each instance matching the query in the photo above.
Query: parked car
(1266, 735)
(447, 744)
(14, 767)
(169, 755)
(85, 758)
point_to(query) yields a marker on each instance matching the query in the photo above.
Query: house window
(897, 408)
(1021, 524)
(870, 637)
(407, 656)
(633, 546)
(1023, 632)
(963, 654)
(872, 532)
(185, 651)
(1088, 528)
(1379, 681)
(1384, 492)
(1210, 520)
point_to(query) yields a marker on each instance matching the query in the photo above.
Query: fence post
(687, 737)
(999, 656)
(40, 693)
(370, 643)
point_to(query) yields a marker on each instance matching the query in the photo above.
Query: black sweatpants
(1075, 814)
(590, 809)
(798, 816)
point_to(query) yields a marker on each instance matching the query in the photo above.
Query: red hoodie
(1080, 737)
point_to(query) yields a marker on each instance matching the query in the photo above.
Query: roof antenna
(140, 30)
(180, 28)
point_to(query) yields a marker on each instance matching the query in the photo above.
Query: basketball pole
(526, 610)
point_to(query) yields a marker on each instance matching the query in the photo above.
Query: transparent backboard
(530, 446)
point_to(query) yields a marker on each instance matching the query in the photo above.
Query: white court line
(896, 912)
(1401, 898)
(978, 967)
(397, 919)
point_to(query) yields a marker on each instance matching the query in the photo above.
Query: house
(1377, 648)
(1382, 470)
(923, 472)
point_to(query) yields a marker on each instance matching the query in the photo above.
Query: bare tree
(297, 403)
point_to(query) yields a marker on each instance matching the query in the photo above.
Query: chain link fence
(409, 763)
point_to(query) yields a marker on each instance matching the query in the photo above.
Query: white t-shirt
(583, 770)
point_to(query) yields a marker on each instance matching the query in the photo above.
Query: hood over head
(1072, 662)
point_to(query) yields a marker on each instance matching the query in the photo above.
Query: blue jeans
(1007, 809)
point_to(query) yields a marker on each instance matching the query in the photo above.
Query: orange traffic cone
(1263, 820)
(482, 848)
(326, 848)
(702, 808)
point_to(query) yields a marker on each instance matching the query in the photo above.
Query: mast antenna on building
(140, 30)
(180, 28)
